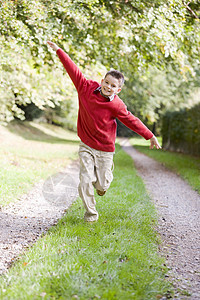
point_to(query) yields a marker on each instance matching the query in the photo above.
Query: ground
(178, 210)
(23, 221)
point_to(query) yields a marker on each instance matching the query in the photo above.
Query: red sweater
(97, 115)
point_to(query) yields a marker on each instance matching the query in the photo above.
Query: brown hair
(116, 74)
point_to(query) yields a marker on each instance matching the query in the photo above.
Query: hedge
(181, 130)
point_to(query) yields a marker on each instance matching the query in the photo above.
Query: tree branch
(190, 10)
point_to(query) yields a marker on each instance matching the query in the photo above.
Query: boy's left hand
(154, 142)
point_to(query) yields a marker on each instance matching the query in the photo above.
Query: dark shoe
(101, 193)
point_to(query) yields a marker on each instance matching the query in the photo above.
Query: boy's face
(110, 85)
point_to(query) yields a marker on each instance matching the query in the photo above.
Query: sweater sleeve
(132, 122)
(75, 74)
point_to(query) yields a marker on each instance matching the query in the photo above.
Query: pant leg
(87, 178)
(103, 170)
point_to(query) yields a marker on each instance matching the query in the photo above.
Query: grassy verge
(115, 258)
(30, 152)
(188, 167)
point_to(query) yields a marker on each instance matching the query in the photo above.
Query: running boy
(99, 106)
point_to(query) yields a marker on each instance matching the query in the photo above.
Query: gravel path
(178, 209)
(23, 222)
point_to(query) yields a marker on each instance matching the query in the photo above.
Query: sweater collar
(108, 97)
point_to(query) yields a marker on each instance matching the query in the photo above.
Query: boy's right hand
(53, 45)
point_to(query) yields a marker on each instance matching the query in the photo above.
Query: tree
(123, 34)
(149, 96)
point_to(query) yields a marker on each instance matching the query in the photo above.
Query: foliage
(181, 130)
(128, 35)
(152, 94)
(22, 84)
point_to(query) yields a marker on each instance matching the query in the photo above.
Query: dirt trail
(23, 222)
(178, 209)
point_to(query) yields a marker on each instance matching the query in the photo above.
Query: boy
(99, 106)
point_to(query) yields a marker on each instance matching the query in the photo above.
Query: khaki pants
(95, 172)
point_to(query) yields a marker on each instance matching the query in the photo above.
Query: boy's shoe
(101, 193)
(90, 218)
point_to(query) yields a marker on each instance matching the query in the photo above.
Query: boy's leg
(103, 170)
(87, 179)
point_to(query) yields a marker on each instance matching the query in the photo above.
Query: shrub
(181, 130)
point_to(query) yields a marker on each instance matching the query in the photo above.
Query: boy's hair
(116, 74)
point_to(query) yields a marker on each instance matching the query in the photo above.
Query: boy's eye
(113, 86)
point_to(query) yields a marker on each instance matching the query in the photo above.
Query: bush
(181, 130)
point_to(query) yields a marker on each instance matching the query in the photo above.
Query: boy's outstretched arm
(135, 124)
(73, 71)
(154, 142)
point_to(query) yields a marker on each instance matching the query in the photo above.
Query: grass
(30, 152)
(115, 258)
(187, 166)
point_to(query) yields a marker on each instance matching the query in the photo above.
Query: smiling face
(110, 85)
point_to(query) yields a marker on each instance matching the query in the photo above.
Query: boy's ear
(119, 90)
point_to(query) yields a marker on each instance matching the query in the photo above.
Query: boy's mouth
(106, 91)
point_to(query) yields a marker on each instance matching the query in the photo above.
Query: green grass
(187, 166)
(115, 258)
(30, 152)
